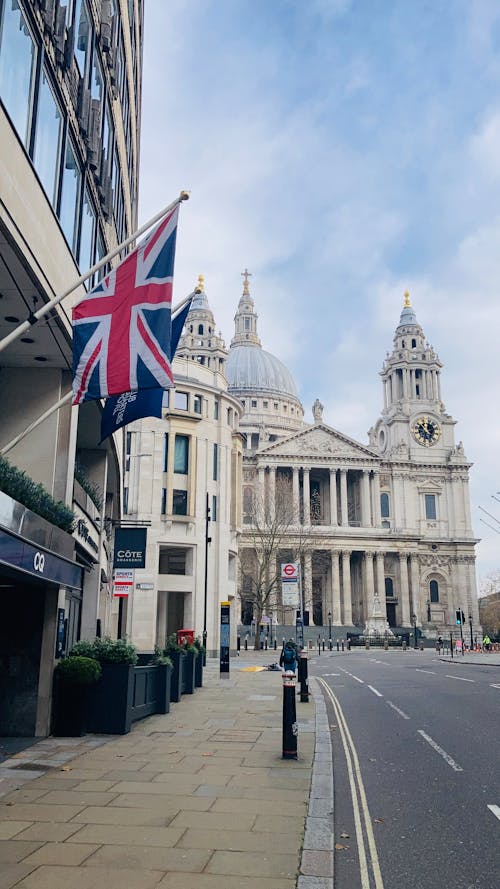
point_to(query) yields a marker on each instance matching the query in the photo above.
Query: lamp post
(414, 625)
(330, 629)
(470, 627)
(207, 541)
(428, 603)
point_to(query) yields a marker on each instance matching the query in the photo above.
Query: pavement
(200, 797)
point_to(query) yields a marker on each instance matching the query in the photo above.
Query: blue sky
(343, 151)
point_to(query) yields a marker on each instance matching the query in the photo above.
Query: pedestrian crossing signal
(458, 617)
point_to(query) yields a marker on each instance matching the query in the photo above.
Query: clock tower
(414, 422)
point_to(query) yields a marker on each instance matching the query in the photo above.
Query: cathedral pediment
(317, 441)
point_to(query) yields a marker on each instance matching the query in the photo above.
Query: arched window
(389, 586)
(385, 509)
(414, 344)
(434, 591)
(200, 329)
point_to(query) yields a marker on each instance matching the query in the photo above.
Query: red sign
(289, 571)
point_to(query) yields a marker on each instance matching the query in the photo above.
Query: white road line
(495, 810)
(460, 678)
(401, 713)
(494, 686)
(353, 676)
(375, 692)
(425, 671)
(446, 756)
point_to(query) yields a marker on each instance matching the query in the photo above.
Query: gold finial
(407, 299)
(201, 283)
(246, 275)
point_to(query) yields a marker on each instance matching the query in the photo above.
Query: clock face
(426, 431)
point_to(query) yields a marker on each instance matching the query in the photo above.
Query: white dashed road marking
(375, 692)
(460, 678)
(401, 713)
(446, 756)
(425, 671)
(495, 810)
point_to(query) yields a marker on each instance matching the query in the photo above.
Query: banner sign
(130, 548)
(225, 636)
(123, 582)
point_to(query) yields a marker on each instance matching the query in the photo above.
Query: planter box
(164, 688)
(70, 709)
(188, 675)
(111, 699)
(177, 658)
(198, 670)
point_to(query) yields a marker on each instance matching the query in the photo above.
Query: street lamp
(330, 629)
(428, 603)
(471, 639)
(207, 541)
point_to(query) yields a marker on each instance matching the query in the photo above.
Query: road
(416, 769)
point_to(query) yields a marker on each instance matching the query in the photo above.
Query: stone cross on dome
(246, 275)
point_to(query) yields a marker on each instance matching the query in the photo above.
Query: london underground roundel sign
(289, 571)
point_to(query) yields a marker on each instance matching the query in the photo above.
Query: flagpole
(14, 334)
(62, 401)
(51, 410)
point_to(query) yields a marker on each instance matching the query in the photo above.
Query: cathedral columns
(377, 519)
(346, 585)
(405, 592)
(306, 496)
(381, 577)
(369, 584)
(415, 587)
(260, 502)
(335, 575)
(272, 493)
(366, 518)
(343, 497)
(333, 496)
(307, 592)
(296, 496)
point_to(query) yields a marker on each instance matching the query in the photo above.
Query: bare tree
(274, 536)
(489, 603)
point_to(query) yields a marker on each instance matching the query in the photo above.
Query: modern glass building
(70, 99)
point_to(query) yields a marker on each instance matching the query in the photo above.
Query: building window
(430, 506)
(172, 561)
(275, 405)
(181, 401)
(216, 461)
(181, 454)
(200, 329)
(229, 416)
(163, 501)
(17, 68)
(385, 506)
(47, 147)
(82, 36)
(86, 253)
(414, 344)
(434, 591)
(389, 587)
(254, 403)
(165, 452)
(265, 404)
(70, 196)
(125, 500)
(214, 509)
(197, 404)
(180, 502)
(247, 323)
(216, 410)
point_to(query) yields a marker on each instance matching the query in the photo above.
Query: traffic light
(458, 617)
(463, 618)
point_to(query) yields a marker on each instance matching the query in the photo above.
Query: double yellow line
(359, 803)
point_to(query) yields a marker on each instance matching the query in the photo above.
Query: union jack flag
(121, 330)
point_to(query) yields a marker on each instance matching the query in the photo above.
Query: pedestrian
(487, 642)
(289, 656)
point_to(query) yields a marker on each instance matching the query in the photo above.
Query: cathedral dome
(250, 367)
(408, 316)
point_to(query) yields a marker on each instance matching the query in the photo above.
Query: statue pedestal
(377, 625)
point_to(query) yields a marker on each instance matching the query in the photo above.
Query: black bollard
(290, 729)
(348, 645)
(304, 691)
(265, 644)
(275, 643)
(246, 642)
(338, 645)
(238, 643)
(323, 644)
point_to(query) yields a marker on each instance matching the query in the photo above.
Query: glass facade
(48, 131)
(70, 196)
(17, 68)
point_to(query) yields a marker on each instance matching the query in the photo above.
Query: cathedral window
(385, 506)
(265, 404)
(430, 506)
(275, 405)
(389, 587)
(200, 329)
(414, 344)
(434, 591)
(247, 323)
(254, 403)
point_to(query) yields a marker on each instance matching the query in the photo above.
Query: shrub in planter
(110, 702)
(73, 677)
